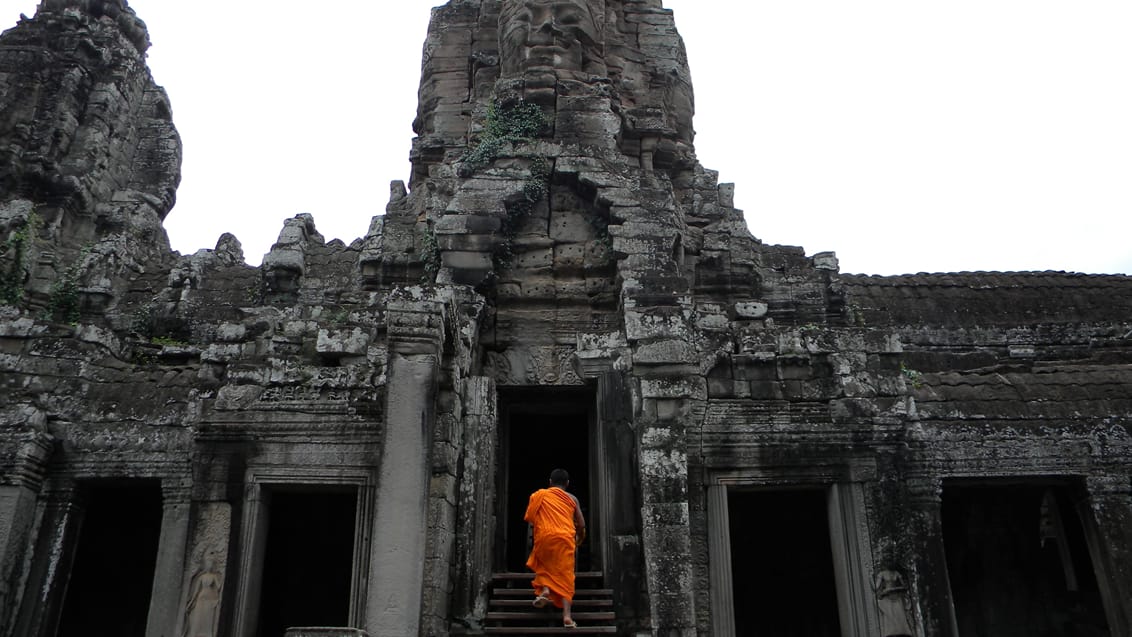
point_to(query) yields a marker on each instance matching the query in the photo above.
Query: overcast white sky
(905, 135)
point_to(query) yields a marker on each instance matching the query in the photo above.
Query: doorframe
(533, 399)
(850, 547)
(260, 483)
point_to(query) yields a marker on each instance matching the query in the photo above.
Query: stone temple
(342, 441)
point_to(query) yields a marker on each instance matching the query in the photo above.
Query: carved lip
(546, 55)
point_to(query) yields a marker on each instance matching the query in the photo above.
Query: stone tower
(345, 437)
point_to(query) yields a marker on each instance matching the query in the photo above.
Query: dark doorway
(308, 561)
(782, 575)
(543, 430)
(1018, 563)
(115, 558)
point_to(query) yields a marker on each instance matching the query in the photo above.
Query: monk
(558, 529)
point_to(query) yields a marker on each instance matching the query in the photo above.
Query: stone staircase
(510, 611)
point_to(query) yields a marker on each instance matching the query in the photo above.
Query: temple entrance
(541, 430)
(309, 559)
(782, 572)
(115, 558)
(1018, 562)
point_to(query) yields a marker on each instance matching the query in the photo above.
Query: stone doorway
(782, 570)
(111, 579)
(540, 430)
(308, 560)
(305, 550)
(1018, 562)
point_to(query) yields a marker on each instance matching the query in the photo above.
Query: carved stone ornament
(893, 604)
(202, 614)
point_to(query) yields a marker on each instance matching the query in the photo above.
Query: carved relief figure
(892, 601)
(203, 611)
(556, 35)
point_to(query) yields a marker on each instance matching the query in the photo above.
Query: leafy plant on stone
(516, 123)
(914, 377)
(430, 255)
(535, 189)
(63, 305)
(15, 249)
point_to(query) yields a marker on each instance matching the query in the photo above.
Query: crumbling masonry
(763, 444)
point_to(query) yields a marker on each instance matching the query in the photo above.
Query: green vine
(63, 306)
(519, 122)
(914, 377)
(430, 255)
(535, 189)
(16, 248)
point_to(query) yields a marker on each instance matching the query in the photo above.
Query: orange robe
(551, 511)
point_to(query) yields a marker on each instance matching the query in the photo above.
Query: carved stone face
(547, 34)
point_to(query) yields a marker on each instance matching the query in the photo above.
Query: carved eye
(570, 16)
(519, 20)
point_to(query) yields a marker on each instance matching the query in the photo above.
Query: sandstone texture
(559, 253)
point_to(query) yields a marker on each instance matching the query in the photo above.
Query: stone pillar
(619, 530)
(51, 563)
(932, 583)
(208, 553)
(22, 482)
(165, 599)
(719, 546)
(1106, 516)
(852, 555)
(400, 530)
(665, 510)
(476, 528)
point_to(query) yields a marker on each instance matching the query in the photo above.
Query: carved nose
(547, 31)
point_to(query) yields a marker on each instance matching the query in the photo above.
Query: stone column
(51, 563)
(852, 555)
(476, 528)
(165, 598)
(719, 545)
(416, 330)
(665, 510)
(932, 583)
(1107, 518)
(22, 482)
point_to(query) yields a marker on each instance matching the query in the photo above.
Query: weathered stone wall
(90, 160)
(557, 231)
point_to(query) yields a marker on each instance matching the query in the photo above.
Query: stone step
(512, 613)
(528, 576)
(578, 592)
(521, 630)
(543, 616)
(577, 603)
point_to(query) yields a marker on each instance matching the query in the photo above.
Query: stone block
(666, 351)
(465, 224)
(656, 323)
(467, 242)
(826, 261)
(539, 259)
(727, 195)
(461, 260)
(570, 256)
(342, 342)
(751, 309)
(570, 226)
(672, 387)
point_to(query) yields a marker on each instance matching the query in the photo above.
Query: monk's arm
(579, 520)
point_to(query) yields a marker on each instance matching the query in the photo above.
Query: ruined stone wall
(557, 231)
(91, 159)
